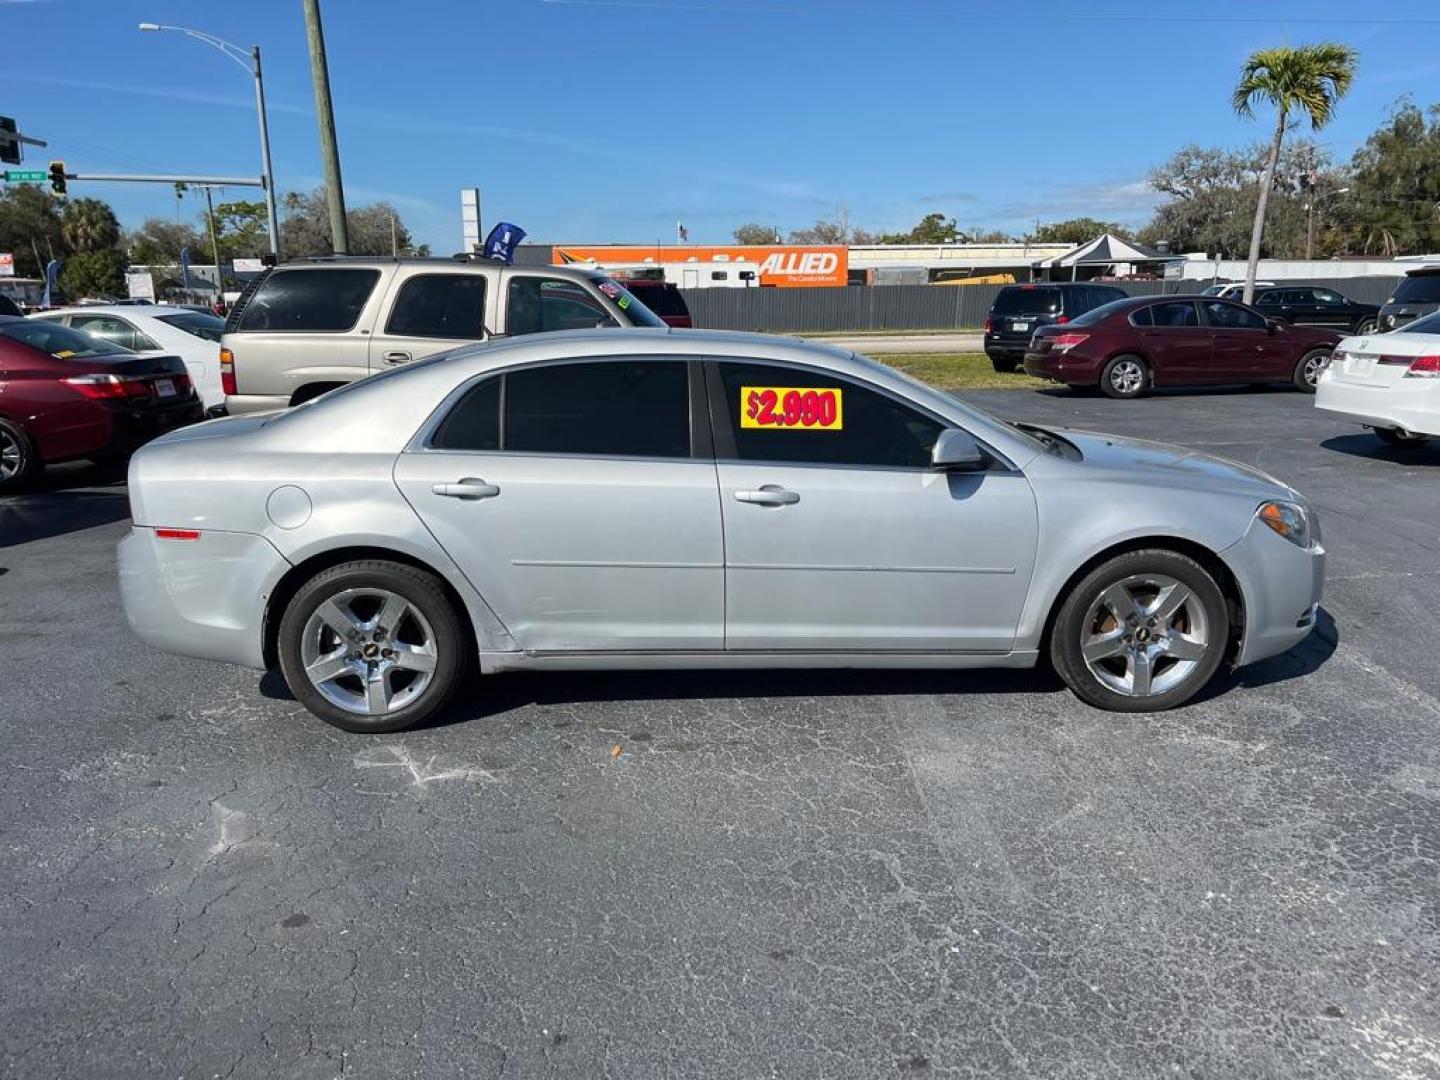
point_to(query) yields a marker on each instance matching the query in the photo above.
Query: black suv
(1418, 294)
(1307, 305)
(1020, 309)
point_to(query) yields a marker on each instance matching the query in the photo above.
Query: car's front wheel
(1125, 377)
(19, 460)
(1308, 368)
(1140, 633)
(372, 646)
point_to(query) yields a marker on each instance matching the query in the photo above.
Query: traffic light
(9, 142)
(57, 178)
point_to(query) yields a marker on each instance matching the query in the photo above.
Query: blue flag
(52, 275)
(185, 268)
(504, 238)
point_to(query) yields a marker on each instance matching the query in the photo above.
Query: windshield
(1419, 289)
(61, 342)
(636, 312)
(1027, 300)
(198, 323)
(1214, 290)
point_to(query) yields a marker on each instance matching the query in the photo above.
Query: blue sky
(606, 120)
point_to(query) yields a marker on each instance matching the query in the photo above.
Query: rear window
(1419, 289)
(310, 301)
(198, 323)
(1100, 314)
(59, 341)
(1027, 301)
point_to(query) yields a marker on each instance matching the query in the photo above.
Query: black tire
(20, 462)
(1117, 380)
(1308, 368)
(1401, 437)
(425, 595)
(1004, 367)
(1133, 571)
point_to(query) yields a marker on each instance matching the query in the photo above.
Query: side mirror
(957, 451)
(1272, 325)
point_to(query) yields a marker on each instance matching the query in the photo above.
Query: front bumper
(1282, 586)
(1412, 404)
(204, 597)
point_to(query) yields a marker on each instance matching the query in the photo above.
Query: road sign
(26, 176)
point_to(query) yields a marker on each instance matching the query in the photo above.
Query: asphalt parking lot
(735, 874)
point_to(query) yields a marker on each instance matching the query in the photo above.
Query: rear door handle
(769, 495)
(469, 488)
(397, 357)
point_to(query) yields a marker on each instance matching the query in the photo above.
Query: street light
(250, 61)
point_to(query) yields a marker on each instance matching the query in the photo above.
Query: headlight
(1287, 519)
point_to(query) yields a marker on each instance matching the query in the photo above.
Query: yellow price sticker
(792, 408)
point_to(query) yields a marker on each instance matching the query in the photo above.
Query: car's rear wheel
(1140, 633)
(1005, 367)
(1401, 437)
(1308, 368)
(1125, 377)
(1366, 326)
(372, 646)
(19, 459)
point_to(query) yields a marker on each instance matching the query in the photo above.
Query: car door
(115, 330)
(580, 501)
(1243, 347)
(1176, 344)
(427, 313)
(1299, 306)
(1331, 309)
(838, 533)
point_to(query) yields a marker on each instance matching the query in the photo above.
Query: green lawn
(958, 371)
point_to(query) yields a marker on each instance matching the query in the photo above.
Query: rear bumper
(204, 598)
(1413, 404)
(1282, 586)
(131, 429)
(1062, 368)
(999, 348)
(240, 404)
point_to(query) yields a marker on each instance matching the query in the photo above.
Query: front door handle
(397, 357)
(769, 495)
(469, 488)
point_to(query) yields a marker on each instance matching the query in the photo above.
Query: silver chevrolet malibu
(663, 499)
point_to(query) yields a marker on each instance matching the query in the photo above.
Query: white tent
(1106, 250)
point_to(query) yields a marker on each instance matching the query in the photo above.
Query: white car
(192, 335)
(1233, 290)
(1387, 382)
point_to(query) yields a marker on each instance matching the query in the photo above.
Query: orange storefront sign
(786, 265)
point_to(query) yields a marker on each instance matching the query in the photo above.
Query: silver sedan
(656, 499)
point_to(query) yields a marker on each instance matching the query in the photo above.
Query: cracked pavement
(776, 874)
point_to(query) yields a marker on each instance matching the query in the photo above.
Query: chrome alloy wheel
(12, 456)
(1144, 635)
(1127, 377)
(368, 651)
(1314, 366)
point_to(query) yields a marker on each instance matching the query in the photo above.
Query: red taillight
(1061, 320)
(108, 387)
(1066, 342)
(227, 373)
(1424, 367)
(987, 324)
(177, 534)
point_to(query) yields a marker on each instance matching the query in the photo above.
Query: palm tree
(89, 225)
(1310, 79)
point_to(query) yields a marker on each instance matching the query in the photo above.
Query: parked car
(1417, 295)
(1390, 383)
(664, 299)
(1231, 290)
(658, 499)
(65, 394)
(1019, 309)
(1129, 347)
(309, 326)
(1309, 305)
(191, 334)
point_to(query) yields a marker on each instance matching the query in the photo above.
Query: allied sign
(785, 265)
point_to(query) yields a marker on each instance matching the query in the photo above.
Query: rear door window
(440, 306)
(1419, 289)
(1176, 313)
(1299, 296)
(310, 300)
(1027, 300)
(1270, 296)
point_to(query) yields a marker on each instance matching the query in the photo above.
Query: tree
(931, 229)
(306, 228)
(1310, 79)
(158, 243)
(751, 233)
(89, 225)
(29, 222)
(93, 273)
(1076, 231)
(835, 230)
(1394, 193)
(976, 235)
(243, 229)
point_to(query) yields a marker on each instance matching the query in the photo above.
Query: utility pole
(215, 248)
(394, 242)
(1312, 176)
(329, 151)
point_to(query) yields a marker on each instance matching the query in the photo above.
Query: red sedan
(66, 395)
(1129, 346)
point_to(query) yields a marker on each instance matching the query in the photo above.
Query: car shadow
(1366, 445)
(1160, 393)
(1303, 659)
(43, 515)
